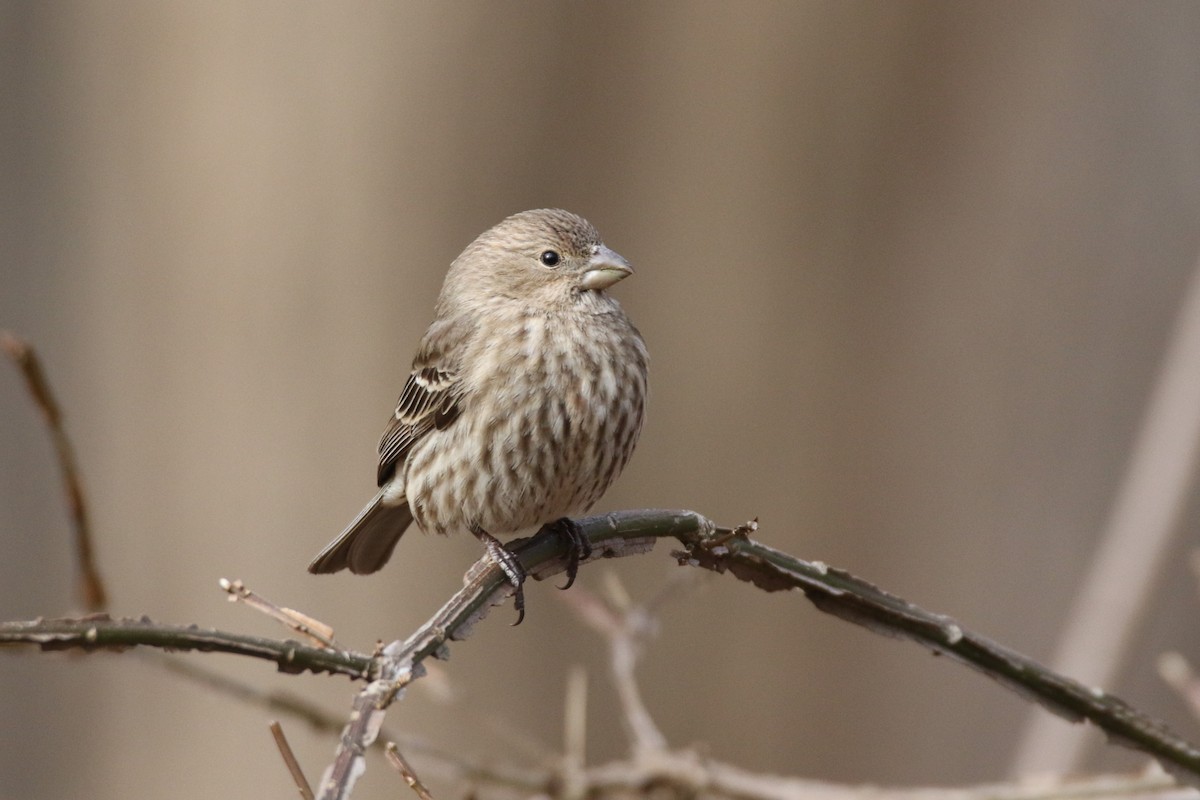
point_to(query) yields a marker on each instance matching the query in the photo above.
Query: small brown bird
(524, 403)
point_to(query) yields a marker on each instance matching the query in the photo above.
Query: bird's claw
(581, 546)
(580, 550)
(510, 565)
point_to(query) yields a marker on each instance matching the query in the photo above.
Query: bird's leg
(581, 546)
(509, 564)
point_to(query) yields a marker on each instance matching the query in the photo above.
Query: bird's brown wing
(431, 399)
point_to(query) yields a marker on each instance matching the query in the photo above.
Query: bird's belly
(522, 456)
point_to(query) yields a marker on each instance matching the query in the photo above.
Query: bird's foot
(581, 546)
(510, 565)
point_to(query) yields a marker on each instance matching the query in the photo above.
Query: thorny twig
(684, 771)
(723, 550)
(485, 586)
(627, 628)
(624, 533)
(851, 598)
(101, 632)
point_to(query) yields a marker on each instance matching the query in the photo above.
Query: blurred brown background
(907, 272)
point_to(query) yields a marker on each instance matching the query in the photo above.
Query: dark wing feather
(431, 398)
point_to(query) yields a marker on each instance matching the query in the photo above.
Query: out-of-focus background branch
(908, 273)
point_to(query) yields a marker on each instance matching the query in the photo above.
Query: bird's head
(548, 257)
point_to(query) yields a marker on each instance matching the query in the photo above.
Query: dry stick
(289, 758)
(24, 356)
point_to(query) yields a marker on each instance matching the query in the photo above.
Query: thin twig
(289, 758)
(397, 760)
(485, 585)
(95, 598)
(302, 624)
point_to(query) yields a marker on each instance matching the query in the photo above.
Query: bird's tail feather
(367, 542)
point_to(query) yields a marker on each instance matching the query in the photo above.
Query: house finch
(524, 402)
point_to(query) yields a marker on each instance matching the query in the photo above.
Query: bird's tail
(367, 542)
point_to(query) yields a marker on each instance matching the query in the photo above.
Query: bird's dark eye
(550, 258)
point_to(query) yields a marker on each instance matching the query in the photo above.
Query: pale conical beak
(604, 269)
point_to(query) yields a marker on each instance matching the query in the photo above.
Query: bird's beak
(604, 269)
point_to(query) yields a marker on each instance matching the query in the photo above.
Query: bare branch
(853, 599)
(23, 355)
(101, 632)
(626, 533)
(485, 585)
